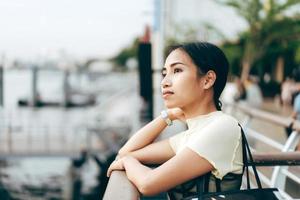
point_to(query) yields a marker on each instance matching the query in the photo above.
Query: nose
(166, 82)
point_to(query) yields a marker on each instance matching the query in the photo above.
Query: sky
(223, 18)
(37, 28)
(34, 29)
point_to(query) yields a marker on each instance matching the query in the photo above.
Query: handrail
(271, 159)
(280, 172)
(267, 116)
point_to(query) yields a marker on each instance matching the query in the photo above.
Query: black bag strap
(245, 160)
(202, 182)
(248, 160)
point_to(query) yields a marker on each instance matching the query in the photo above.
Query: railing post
(278, 179)
(88, 140)
(29, 139)
(1, 86)
(9, 138)
(62, 133)
(47, 139)
(66, 88)
(145, 77)
(34, 90)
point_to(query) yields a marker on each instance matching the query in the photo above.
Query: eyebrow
(173, 64)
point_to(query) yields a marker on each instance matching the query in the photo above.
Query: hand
(115, 165)
(176, 113)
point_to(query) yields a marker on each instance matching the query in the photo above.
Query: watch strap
(165, 116)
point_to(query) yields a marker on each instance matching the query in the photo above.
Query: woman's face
(181, 86)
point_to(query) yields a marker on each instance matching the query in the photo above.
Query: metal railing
(285, 156)
(42, 141)
(23, 136)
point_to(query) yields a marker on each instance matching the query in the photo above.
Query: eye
(176, 70)
(163, 73)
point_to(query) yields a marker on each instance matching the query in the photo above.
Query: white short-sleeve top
(215, 137)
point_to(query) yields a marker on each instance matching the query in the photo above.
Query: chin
(170, 105)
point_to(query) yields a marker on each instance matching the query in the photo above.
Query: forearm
(144, 136)
(154, 153)
(136, 172)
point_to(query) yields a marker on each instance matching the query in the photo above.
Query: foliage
(128, 52)
(273, 30)
(190, 32)
(233, 52)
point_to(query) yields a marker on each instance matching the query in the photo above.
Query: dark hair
(207, 56)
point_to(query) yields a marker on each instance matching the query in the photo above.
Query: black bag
(247, 194)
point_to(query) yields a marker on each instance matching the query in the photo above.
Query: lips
(167, 93)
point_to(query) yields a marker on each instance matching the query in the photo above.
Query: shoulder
(223, 123)
(224, 119)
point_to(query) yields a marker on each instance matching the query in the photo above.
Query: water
(36, 177)
(53, 177)
(17, 84)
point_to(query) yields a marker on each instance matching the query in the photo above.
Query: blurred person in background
(254, 95)
(290, 96)
(296, 114)
(290, 88)
(241, 90)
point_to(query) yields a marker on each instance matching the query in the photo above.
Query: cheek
(187, 89)
(187, 85)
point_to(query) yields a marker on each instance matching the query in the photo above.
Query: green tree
(190, 32)
(126, 53)
(268, 24)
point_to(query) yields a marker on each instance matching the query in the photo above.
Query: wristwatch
(165, 116)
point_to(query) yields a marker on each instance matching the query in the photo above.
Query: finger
(108, 172)
(109, 169)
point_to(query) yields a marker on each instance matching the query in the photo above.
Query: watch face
(164, 114)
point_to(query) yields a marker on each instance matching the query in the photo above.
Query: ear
(209, 79)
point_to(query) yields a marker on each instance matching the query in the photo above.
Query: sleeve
(217, 143)
(175, 141)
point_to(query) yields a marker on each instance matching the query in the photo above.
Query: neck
(197, 108)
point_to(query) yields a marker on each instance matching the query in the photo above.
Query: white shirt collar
(193, 122)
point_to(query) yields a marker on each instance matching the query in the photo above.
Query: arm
(150, 132)
(155, 153)
(173, 172)
(144, 136)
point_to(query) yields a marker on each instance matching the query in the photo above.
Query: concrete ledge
(119, 187)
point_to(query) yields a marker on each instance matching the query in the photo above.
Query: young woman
(194, 76)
